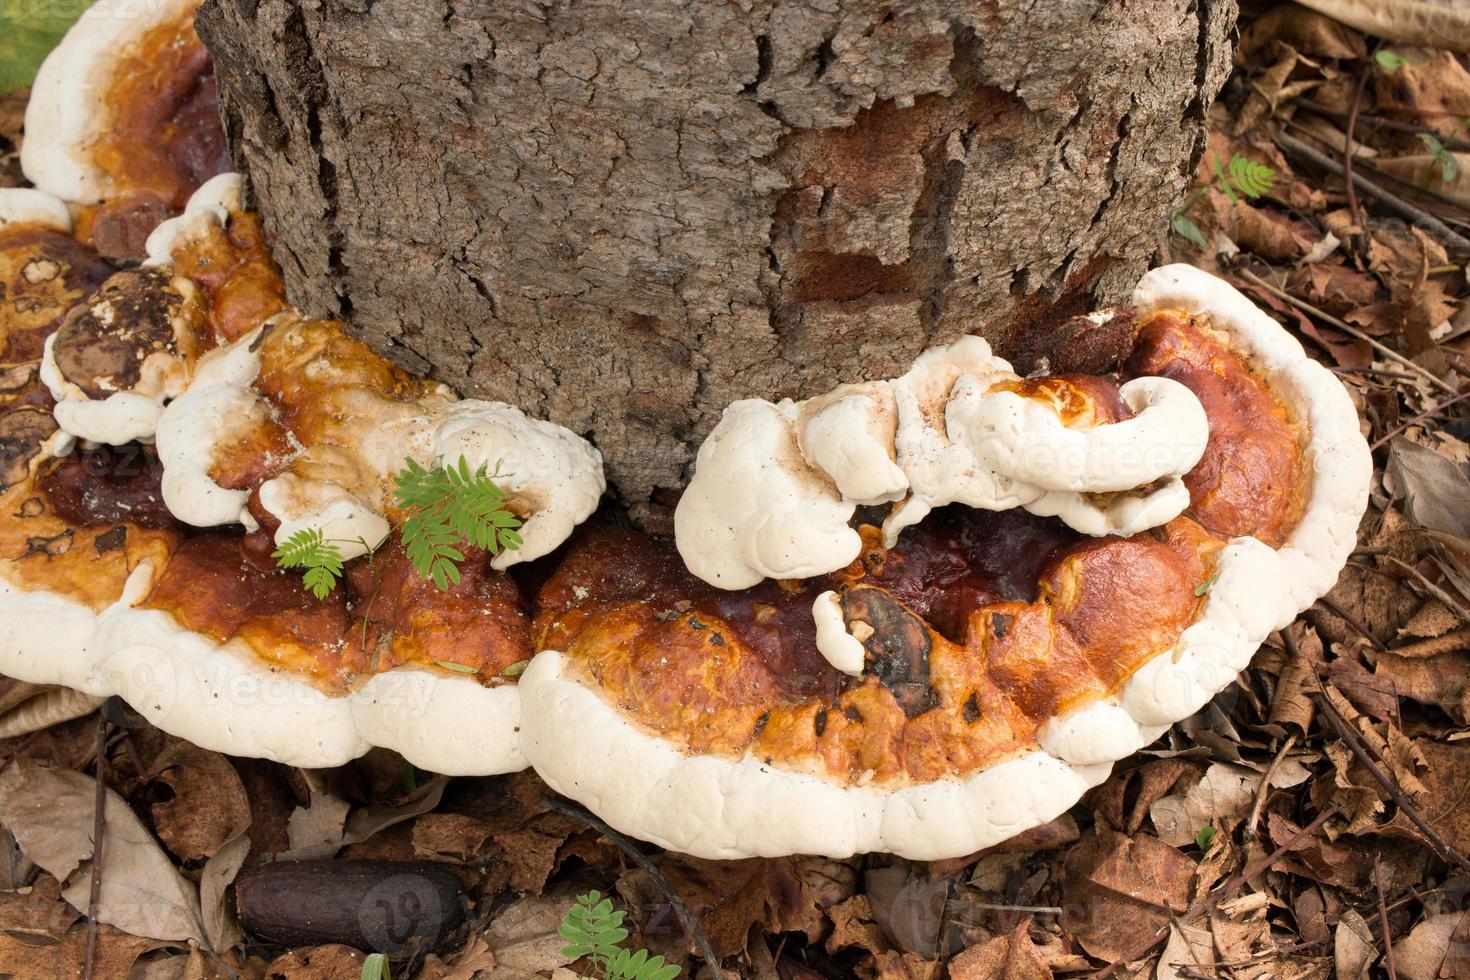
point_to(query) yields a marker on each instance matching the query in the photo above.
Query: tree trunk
(624, 215)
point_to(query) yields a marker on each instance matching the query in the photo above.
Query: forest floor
(1313, 821)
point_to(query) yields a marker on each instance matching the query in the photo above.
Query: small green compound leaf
(516, 669)
(1251, 177)
(309, 550)
(1204, 837)
(450, 507)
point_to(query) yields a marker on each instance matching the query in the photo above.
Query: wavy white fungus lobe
(1026, 439)
(839, 647)
(31, 206)
(848, 435)
(943, 433)
(755, 509)
(219, 408)
(552, 477)
(208, 207)
(68, 110)
(550, 474)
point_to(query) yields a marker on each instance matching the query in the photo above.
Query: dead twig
(1431, 410)
(686, 918)
(1393, 974)
(1260, 803)
(1390, 785)
(1350, 330)
(99, 806)
(1206, 903)
(1377, 122)
(1435, 591)
(1444, 233)
(1347, 162)
(1332, 606)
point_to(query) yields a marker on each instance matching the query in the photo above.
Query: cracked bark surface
(623, 215)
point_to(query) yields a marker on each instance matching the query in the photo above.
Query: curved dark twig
(686, 918)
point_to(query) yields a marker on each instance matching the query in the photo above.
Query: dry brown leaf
(1263, 230)
(909, 905)
(1223, 794)
(216, 910)
(531, 857)
(474, 959)
(318, 963)
(904, 966)
(1436, 492)
(1353, 948)
(1433, 619)
(1124, 800)
(1431, 88)
(1423, 170)
(1189, 947)
(1305, 30)
(1442, 795)
(1013, 956)
(853, 925)
(523, 935)
(116, 953)
(1435, 948)
(1240, 929)
(36, 914)
(1433, 23)
(1119, 890)
(449, 836)
(316, 830)
(51, 815)
(206, 805)
(26, 708)
(1442, 680)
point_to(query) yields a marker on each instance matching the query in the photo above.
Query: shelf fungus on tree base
(934, 693)
(916, 615)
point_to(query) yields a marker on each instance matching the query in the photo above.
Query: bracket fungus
(916, 615)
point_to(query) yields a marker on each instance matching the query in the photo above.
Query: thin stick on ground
(686, 918)
(1388, 783)
(1435, 591)
(1350, 330)
(1206, 903)
(1332, 606)
(1443, 232)
(1377, 122)
(1260, 803)
(99, 808)
(1393, 974)
(1348, 153)
(1434, 409)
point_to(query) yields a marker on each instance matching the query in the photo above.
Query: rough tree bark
(624, 214)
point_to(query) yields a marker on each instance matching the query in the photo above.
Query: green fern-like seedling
(321, 558)
(594, 931)
(450, 507)
(1243, 177)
